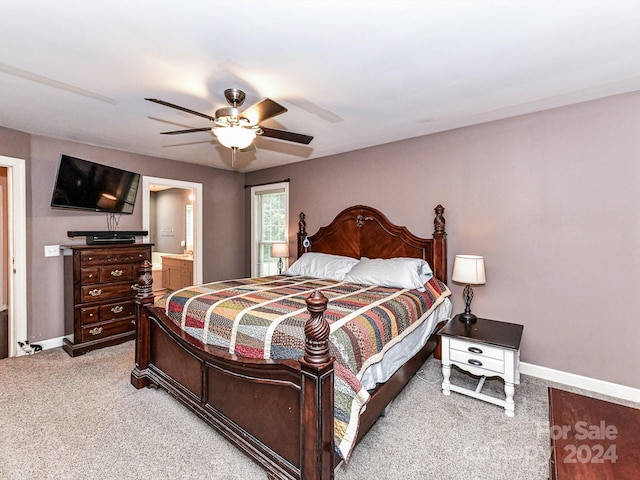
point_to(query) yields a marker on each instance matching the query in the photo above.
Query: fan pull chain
(233, 156)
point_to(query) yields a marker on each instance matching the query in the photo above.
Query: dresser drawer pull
(135, 287)
(116, 273)
(474, 350)
(96, 331)
(95, 292)
(117, 309)
(475, 362)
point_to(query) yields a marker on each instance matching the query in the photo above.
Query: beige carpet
(79, 418)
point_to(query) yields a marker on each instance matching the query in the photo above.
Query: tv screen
(85, 185)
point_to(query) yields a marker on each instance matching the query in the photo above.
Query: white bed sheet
(398, 355)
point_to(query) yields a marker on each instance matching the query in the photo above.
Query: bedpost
(439, 245)
(316, 422)
(302, 234)
(143, 297)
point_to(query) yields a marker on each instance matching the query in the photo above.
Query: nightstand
(486, 348)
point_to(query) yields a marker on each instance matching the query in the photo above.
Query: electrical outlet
(52, 250)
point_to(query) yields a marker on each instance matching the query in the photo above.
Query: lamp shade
(469, 269)
(279, 250)
(239, 137)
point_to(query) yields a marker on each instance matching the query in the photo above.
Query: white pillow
(322, 265)
(410, 273)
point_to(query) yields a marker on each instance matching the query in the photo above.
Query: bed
(282, 410)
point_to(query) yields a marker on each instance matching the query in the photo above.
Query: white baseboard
(51, 343)
(579, 381)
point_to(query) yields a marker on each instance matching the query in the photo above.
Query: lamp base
(280, 265)
(467, 318)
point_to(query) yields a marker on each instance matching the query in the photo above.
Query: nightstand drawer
(477, 349)
(468, 359)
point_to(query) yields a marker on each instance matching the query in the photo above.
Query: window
(269, 224)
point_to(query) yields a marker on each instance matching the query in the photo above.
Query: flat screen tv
(84, 185)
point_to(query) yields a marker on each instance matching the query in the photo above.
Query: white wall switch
(52, 250)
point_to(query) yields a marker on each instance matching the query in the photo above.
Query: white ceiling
(352, 73)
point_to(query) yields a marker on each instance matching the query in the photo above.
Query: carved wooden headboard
(362, 231)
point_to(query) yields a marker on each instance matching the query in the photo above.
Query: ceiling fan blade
(178, 107)
(190, 130)
(259, 112)
(284, 135)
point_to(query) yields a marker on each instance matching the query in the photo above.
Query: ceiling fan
(237, 129)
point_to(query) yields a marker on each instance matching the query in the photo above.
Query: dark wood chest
(100, 288)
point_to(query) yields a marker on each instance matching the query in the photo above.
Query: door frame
(197, 215)
(17, 261)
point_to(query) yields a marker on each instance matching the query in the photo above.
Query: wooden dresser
(100, 286)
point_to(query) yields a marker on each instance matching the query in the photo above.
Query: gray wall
(550, 199)
(223, 229)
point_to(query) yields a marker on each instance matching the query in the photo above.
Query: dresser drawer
(89, 275)
(106, 329)
(118, 310)
(467, 359)
(110, 311)
(113, 256)
(477, 349)
(109, 274)
(89, 315)
(119, 273)
(101, 292)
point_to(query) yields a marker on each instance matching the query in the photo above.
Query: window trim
(255, 240)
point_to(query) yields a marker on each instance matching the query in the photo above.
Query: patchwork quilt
(265, 317)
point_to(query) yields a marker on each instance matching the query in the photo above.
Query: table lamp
(468, 270)
(280, 251)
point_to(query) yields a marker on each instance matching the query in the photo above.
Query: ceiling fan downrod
(235, 97)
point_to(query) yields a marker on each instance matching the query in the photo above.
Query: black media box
(108, 237)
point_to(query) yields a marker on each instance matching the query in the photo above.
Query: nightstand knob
(474, 350)
(475, 362)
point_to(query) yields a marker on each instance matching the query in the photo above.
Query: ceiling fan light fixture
(231, 137)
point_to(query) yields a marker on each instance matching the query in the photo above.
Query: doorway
(192, 219)
(14, 256)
